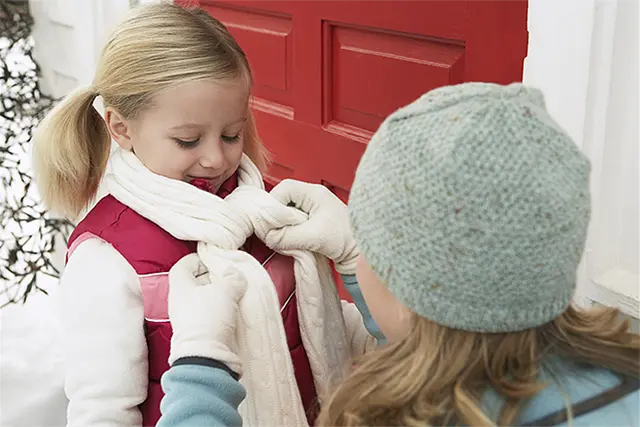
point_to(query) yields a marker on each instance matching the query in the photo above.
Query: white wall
(69, 35)
(584, 55)
(54, 33)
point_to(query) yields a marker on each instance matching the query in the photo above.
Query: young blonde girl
(176, 89)
(470, 207)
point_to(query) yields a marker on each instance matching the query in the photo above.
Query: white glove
(327, 231)
(203, 314)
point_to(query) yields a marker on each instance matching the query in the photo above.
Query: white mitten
(203, 314)
(327, 231)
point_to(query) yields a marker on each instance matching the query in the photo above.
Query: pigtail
(71, 149)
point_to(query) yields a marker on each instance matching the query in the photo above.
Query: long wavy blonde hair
(436, 375)
(156, 46)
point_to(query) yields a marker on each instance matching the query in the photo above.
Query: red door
(328, 72)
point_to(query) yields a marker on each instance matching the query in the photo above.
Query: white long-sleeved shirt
(104, 341)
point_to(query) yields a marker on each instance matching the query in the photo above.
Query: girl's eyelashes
(187, 144)
(230, 139)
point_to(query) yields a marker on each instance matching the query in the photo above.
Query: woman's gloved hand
(204, 314)
(327, 231)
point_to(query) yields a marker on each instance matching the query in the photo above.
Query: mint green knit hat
(471, 204)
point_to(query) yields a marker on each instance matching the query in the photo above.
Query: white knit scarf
(221, 227)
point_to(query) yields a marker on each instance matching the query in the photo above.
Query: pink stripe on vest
(82, 238)
(155, 294)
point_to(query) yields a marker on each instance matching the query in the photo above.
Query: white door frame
(572, 55)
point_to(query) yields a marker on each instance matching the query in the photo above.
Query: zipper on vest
(273, 253)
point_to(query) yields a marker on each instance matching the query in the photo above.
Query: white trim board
(618, 288)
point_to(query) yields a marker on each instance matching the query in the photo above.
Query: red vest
(152, 252)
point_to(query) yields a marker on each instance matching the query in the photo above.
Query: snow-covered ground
(31, 364)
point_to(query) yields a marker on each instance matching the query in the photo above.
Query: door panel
(363, 67)
(267, 40)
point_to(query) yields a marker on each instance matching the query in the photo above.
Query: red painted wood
(328, 72)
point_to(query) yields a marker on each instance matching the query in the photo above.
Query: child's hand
(327, 231)
(203, 315)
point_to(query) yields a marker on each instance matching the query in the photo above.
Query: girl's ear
(119, 128)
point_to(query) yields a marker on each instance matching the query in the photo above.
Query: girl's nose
(212, 156)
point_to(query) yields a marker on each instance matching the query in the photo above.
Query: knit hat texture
(471, 204)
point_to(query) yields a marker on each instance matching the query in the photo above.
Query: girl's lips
(208, 178)
(203, 184)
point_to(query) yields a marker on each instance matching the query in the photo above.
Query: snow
(31, 363)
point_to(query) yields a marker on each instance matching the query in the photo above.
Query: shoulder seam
(115, 221)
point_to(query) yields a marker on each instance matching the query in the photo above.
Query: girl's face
(192, 130)
(393, 318)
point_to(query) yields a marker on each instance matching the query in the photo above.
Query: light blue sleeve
(200, 395)
(577, 383)
(352, 286)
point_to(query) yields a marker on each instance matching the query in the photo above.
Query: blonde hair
(437, 375)
(156, 46)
